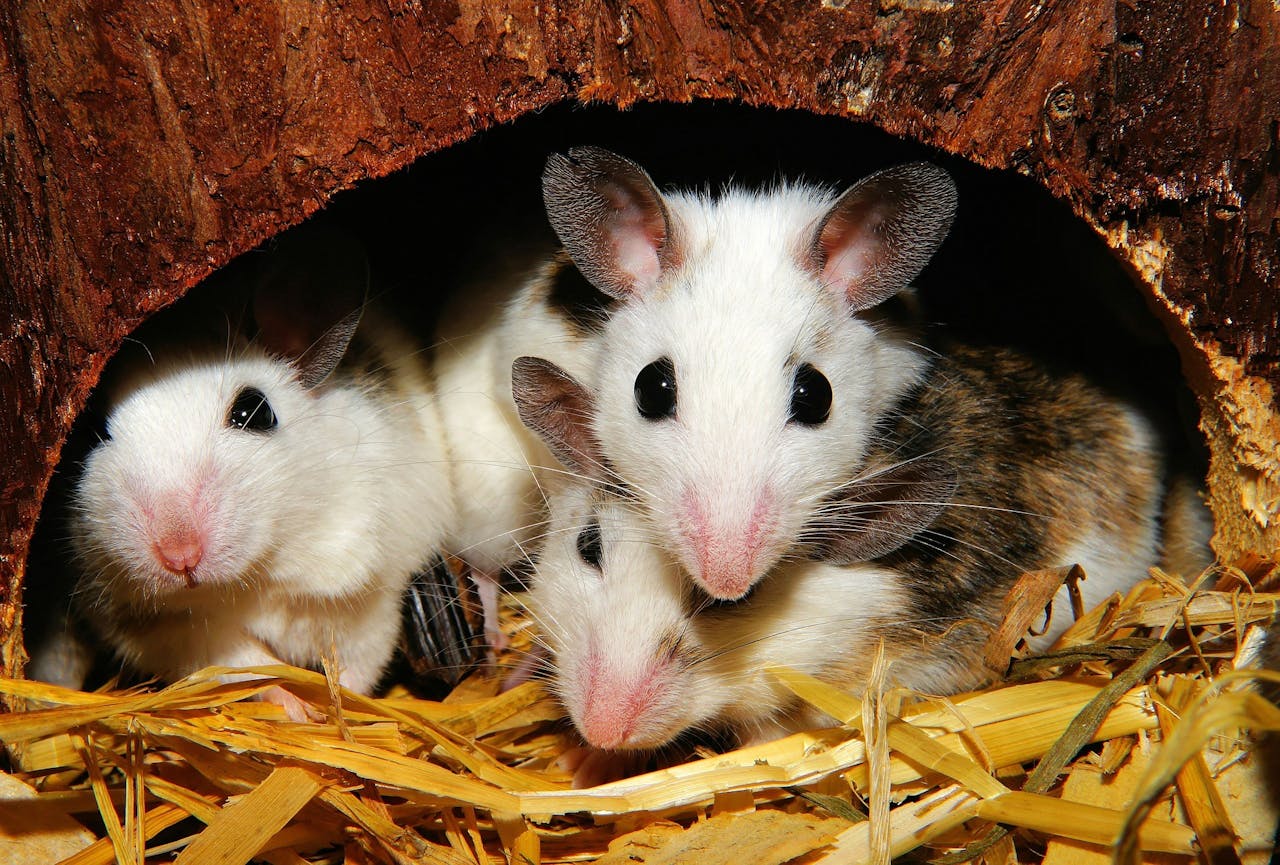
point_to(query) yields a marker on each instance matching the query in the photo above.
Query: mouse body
(501, 469)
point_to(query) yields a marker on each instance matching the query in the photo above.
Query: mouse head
(743, 373)
(209, 447)
(612, 608)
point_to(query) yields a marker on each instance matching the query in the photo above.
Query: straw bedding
(197, 772)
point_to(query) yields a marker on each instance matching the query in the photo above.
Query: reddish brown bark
(146, 143)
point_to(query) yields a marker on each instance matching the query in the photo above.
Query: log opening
(1017, 269)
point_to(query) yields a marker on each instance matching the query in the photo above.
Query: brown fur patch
(568, 294)
(1040, 458)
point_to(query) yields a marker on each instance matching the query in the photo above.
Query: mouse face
(190, 487)
(611, 608)
(222, 453)
(739, 393)
(743, 375)
(251, 502)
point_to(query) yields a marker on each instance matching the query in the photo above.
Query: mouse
(266, 485)
(753, 336)
(991, 465)
(640, 656)
(501, 470)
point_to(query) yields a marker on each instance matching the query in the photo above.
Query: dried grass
(998, 774)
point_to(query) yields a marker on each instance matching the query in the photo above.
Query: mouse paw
(487, 589)
(295, 708)
(592, 766)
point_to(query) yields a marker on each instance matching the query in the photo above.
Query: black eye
(251, 411)
(810, 396)
(589, 545)
(656, 389)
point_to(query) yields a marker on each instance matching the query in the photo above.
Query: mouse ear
(882, 231)
(552, 404)
(611, 219)
(876, 515)
(309, 301)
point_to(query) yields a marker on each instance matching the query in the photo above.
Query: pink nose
(179, 553)
(611, 713)
(620, 711)
(728, 557)
(607, 728)
(728, 577)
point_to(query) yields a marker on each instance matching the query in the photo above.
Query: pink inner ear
(850, 245)
(637, 258)
(849, 263)
(636, 232)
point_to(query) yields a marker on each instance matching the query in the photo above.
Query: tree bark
(148, 142)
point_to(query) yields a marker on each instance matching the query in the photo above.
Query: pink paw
(295, 709)
(487, 589)
(592, 766)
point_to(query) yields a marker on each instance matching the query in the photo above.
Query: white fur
(499, 467)
(314, 528)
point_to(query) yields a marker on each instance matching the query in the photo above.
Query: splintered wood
(201, 772)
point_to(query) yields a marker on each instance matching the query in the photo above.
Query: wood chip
(239, 832)
(1024, 604)
(761, 837)
(36, 832)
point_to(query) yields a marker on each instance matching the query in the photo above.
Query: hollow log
(146, 144)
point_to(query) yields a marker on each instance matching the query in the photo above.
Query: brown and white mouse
(738, 344)
(990, 466)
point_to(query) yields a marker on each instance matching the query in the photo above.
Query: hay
(998, 774)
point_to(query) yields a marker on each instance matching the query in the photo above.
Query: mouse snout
(626, 709)
(179, 551)
(726, 549)
(178, 531)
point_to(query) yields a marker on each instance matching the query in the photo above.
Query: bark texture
(147, 142)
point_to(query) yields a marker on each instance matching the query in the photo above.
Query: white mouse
(266, 500)
(989, 467)
(748, 356)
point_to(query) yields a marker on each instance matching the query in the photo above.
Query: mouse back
(536, 302)
(1046, 470)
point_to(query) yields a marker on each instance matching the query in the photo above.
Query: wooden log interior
(146, 144)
